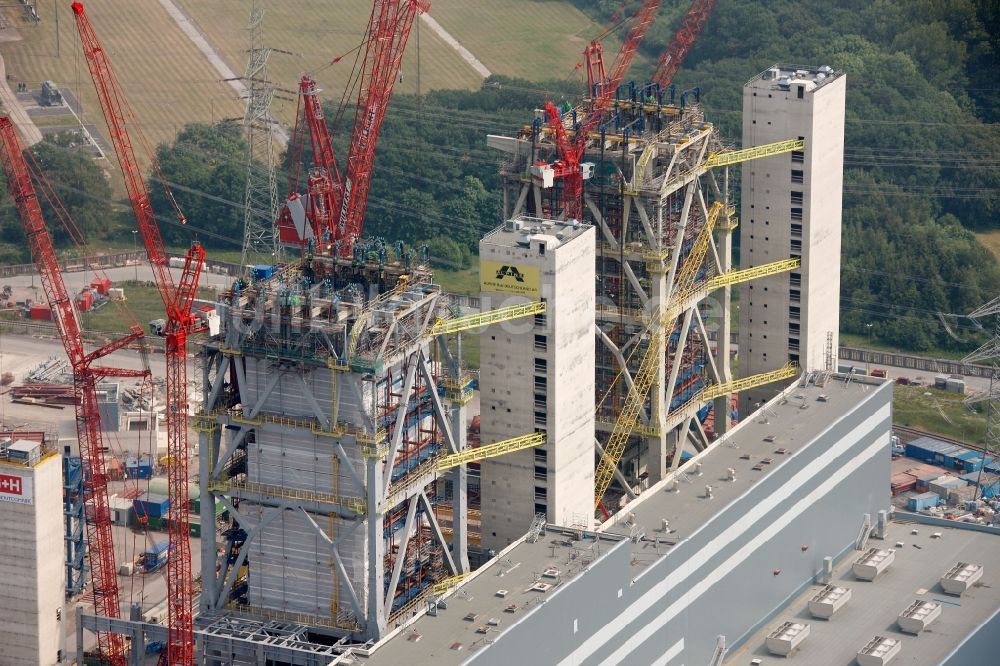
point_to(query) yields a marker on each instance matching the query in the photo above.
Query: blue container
(262, 272)
(970, 462)
(156, 556)
(151, 506)
(139, 468)
(923, 501)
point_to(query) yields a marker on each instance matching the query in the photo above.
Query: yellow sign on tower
(509, 278)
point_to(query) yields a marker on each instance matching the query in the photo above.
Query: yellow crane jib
(446, 584)
(490, 450)
(746, 383)
(446, 326)
(754, 153)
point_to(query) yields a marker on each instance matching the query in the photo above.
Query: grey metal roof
(914, 575)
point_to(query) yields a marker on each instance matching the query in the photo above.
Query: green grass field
(530, 39)
(315, 33)
(939, 412)
(143, 300)
(459, 282)
(167, 80)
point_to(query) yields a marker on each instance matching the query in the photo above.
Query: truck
(155, 557)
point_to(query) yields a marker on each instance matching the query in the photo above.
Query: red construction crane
(323, 179)
(103, 574)
(178, 299)
(336, 208)
(685, 37)
(602, 91)
(388, 32)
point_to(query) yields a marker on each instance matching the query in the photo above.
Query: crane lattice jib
(685, 37)
(490, 451)
(324, 182)
(446, 326)
(640, 26)
(754, 152)
(663, 322)
(178, 300)
(104, 579)
(388, 32)
(116, 115)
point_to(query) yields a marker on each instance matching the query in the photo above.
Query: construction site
(614, 484)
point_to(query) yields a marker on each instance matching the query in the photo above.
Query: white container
(872, 563)
(828, 601)
(918, 616)
(879, 651)
(961, 577)
(786, 638)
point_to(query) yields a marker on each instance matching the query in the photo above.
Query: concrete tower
(543, 368)
(31, 568)
(792, 207)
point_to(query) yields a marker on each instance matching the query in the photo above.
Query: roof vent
(551, 572)
(514, 225)
(786, 638)
(524, 240)
(540, 587)
(918, 616)
(879, 651)
(828, 601)
(961, 577)
(872, 563)
(502, 593)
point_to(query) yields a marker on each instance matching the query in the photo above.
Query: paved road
(973, 384)
(190, 28)
(476, 64)
(29, 131)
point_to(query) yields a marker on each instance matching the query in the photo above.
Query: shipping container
(100, 285)
(924, 482)
(156, 556)
(262, 272)
(195, 528)
(85, 301)
(39, 312)
(139, 468)
(969, 462)
(152, 506)
(923, 501)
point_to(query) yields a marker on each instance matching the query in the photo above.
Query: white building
(538, 373)
(32, 571)
(791, 207)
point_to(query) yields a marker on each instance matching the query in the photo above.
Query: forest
(922, 159)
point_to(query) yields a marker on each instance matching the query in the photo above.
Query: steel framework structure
(260, 201)
(656, 169)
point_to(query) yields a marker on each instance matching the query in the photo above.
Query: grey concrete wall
(721, 580)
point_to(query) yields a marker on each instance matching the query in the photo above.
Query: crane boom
(178, 299)
(104, 582)
(602, 93)
(324, 177)
(388, 33)
(685, 37)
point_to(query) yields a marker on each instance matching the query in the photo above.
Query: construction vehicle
(86, 376)
(178, 300)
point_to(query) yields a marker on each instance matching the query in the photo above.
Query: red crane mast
(388, 31)
(685, 37)
(178, 299)
(602, 93)
(324, 178)
(104, 580)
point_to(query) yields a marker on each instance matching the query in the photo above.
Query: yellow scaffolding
(446, 584)
(754, 153)
(685, 290)
(490, 450)
(746, 383)
(446, 326)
